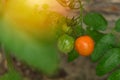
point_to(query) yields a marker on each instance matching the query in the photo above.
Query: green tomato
(65, 43)
(67, 29)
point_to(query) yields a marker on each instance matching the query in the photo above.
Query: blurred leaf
(108, 62)
(117, 25)
(30, 35)
(88, 0)
(95, 20)
(73, 55)
(103, 45)
(40, 55)
(115, 75)
(13, 75)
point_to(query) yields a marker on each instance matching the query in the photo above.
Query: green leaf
(117, 25)
(108, 62)
(94, 34)
(73, 55)
(40, 55)
(78, 30)
(103, 45)
(13, 75)
(115, 75)
(95, 20)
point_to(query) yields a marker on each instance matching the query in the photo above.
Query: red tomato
(84, 45)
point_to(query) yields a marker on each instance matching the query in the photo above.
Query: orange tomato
(84, 45)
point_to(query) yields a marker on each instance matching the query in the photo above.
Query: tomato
(84, 45)
(65, 43)
(67, 29)
(34, 17)
(1, 7)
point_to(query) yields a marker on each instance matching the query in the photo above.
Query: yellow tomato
(36, 17)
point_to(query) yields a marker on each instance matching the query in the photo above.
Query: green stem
(81, 13)
(81, 16)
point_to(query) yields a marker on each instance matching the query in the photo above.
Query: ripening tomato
(65, 43)
(84, 45)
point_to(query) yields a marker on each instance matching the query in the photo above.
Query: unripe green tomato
(65, 43)
(67, 29)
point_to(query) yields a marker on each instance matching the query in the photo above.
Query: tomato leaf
(94, 34)
(95, 20)
(78, 30)
(73, 55)
(40, 55)
(117, 25)
(104, 44)
(13, 75)
(115, 75)
(108, 62)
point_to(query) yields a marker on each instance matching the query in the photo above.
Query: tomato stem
(81, 12)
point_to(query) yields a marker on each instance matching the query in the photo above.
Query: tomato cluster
(84, 44)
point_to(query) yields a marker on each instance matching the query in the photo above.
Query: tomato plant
(30, 29)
